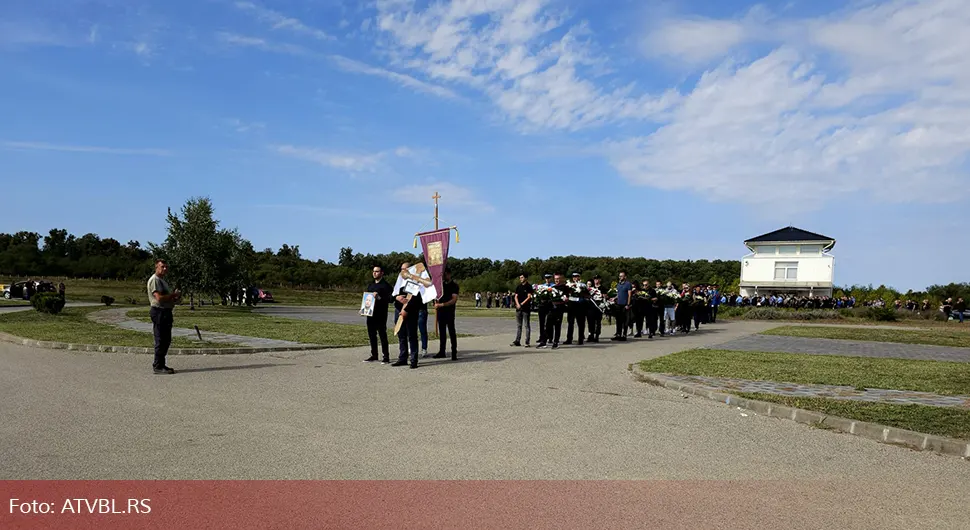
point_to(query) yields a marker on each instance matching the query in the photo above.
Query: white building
(788, 261)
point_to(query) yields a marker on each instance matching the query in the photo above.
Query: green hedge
(51, 303)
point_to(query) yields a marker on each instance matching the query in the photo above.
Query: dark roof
(789, 234)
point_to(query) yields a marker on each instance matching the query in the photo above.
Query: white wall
(814, 267)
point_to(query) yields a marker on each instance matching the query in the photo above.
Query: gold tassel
(415, 242)
(457, 237)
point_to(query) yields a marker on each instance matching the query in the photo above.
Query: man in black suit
(377, 323)
(446, 316)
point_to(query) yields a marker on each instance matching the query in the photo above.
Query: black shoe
(370, 359)
(555, 346)
(568, 343)
(400, 363)
(413, 366)
(638, 335)
(515, 344)
(386, 361)
(454, 356)
(440, 355)
(165, 370)
(540, 346)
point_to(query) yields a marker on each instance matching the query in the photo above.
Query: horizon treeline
(61, 254)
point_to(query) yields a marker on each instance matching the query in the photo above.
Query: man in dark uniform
(554, 320)
(544, 309)
(446, 316)
(576, 311)
(377, 323)
(594, 314)
(408, 335)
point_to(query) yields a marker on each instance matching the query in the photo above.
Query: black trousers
(543, 317)
(621, 317)
(595, 319)
(653, 314)
(554, 324)
(377, 326)
(637, 311)
(714, 315)
(446, 324)
(576, 314)
(162, 321)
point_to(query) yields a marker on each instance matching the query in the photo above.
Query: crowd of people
(634, 308)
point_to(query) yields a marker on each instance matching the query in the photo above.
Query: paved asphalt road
(469, 325)
(497, 413)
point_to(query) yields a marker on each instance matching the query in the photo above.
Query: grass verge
(73, 326)
(941, 421)
(242, 321)
(935, 337)
(945, 378)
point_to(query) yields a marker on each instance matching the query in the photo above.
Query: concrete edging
(873, 431)
(51, 345)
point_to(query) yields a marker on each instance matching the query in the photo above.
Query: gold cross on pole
(436, 197)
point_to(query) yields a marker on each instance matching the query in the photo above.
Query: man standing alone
(377, 322)
(162, 300)
(523, 310)
(446, 316)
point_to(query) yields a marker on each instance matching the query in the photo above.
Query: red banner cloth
(435, 247)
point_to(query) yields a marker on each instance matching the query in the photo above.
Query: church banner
(435, 246)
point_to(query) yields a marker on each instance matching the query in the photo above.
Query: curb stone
(881, 433)
(6, 337)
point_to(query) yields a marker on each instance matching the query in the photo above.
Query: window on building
(811, 249)
(788, 249)
(786, 270)
(765, 249)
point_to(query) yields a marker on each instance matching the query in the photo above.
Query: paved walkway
(476, 325)
(877, 395)
(852, 348)
(118, 318)
(498, 413)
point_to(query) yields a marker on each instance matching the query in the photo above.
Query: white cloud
(245, 41)
(350, 65)
(521, 56)
(279, 21)
(451, 194)
(694, 40)
(242, 127)
(351, 162)
(40, 146)
(872, 102)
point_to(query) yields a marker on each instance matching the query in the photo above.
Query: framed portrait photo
(367, 304)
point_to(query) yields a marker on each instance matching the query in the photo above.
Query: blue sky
(670, 129)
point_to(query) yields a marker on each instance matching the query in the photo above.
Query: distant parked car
(17, 290)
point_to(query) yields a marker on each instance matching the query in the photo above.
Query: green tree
(203, 259)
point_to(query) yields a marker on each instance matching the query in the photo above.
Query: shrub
(881, 314)
(130, 300)
(51, 303)
(732, 311)
(774, 313)
(107, 300)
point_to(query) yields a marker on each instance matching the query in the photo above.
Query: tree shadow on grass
(239, 367)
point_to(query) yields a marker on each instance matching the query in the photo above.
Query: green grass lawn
(72, 326)
(861, 372)
(242, 321)
(937, 337)
(941, 421)
(945, 378)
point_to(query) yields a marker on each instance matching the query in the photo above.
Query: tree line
(208, 260)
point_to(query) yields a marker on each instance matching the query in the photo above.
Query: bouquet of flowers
(669, 297)
(577, 291)
(545, 295)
